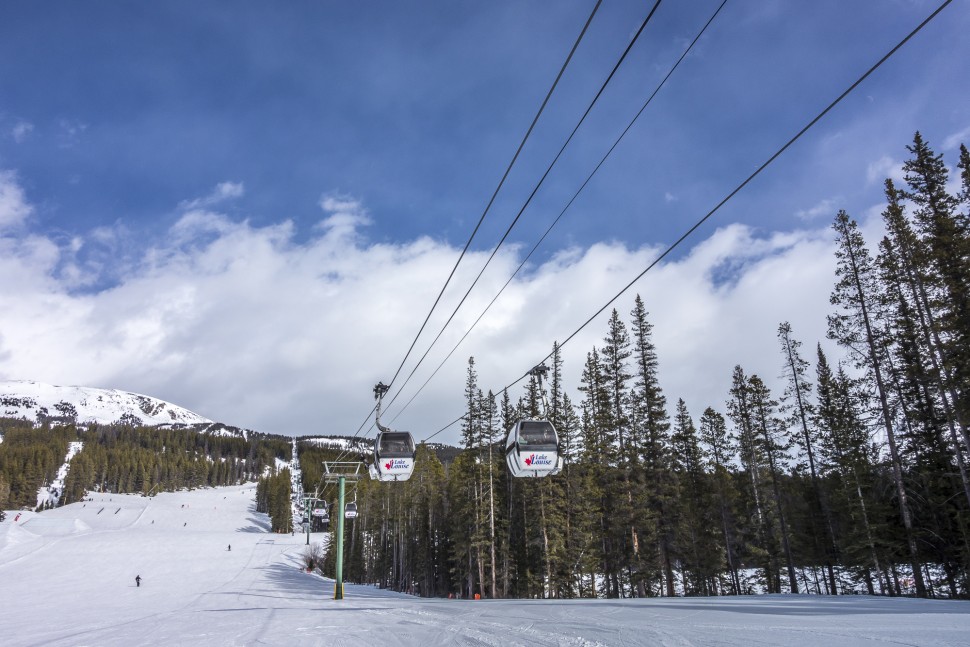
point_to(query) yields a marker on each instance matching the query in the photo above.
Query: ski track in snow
(67, 579)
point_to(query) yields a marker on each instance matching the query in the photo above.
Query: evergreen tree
(849, 459)
(697, 529)
(797, 404)
(857, 295)
(772, 447)
(920, 347)
(651, 438)
(718, 453)
(947, 239)
(750, 451)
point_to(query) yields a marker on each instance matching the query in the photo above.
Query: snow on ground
(26, 399)
(343, 444)
(51, 494)
(67, 578)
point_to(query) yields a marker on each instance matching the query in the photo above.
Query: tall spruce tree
(651, 436)
(947, 239)
(857, 295)
(715, 436)
(741, 410)
(848, 458)
(920, 349)
(773, 446)
(697, 528)
(797, 404)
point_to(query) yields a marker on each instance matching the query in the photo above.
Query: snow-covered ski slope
(67, 578)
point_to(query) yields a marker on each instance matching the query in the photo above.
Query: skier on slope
(138, 580)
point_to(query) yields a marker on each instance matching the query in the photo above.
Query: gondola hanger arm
(379, 390)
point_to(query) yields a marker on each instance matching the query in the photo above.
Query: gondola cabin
(321, 512)
(532, 449)
(393, 456)
(350, 510)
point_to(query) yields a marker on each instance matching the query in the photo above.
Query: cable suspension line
(497, 189)
(566, 208)
(508, 169)
(743, 184)
(531, 195)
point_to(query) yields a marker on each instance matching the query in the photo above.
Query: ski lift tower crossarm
(338, 472)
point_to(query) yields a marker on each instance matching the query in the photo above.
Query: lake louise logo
(396, 464)
(536, 460)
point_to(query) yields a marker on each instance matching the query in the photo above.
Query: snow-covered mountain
(37, 401)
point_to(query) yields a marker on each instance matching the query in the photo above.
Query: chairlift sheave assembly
(532, 448)
(393, 458)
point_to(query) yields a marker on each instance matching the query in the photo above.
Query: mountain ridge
(41, 402)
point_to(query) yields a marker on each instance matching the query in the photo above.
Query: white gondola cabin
(532, 449)
(350, 511)
(393, 456)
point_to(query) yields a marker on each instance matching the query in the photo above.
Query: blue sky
(144, 138)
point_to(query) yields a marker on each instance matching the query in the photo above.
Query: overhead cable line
(531, 195)
(508, 169)
(568, 205)
(497, 189)
(738, 188)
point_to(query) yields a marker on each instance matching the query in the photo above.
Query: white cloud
(885, 167)
(197, 222)
(21, 131)
(248, 326)
(221, 193)
(344, 217)
(954, 140)
(669, 197)
(14, 207)
(825, 209)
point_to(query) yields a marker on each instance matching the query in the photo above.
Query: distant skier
(137, 580)
(230, 547)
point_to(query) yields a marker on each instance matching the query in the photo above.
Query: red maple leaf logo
(528, 461)
(387, 466)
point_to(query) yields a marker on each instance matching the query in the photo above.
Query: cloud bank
(259, 327)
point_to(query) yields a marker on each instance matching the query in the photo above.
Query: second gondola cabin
(393, 456)
(532, 449)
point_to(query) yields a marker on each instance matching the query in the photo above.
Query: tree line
(123, 458)
(852, 478)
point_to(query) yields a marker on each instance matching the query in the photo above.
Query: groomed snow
(67, 578)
